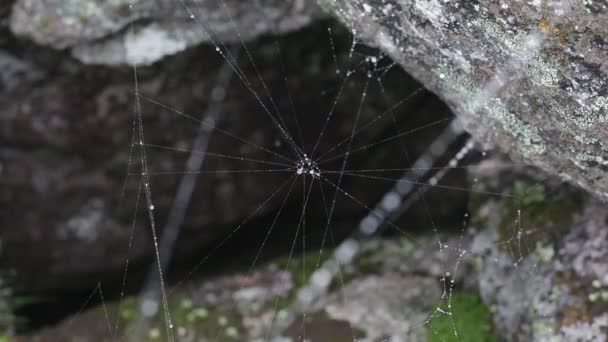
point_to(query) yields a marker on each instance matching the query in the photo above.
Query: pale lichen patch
(431, 9)
(515, 46)
(542, 72)
(150, 44)
(583, 116)
(582, 159)
(600, 105)
(476, 102)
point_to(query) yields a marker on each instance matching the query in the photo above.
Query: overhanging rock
(529, 77)
(99, 32)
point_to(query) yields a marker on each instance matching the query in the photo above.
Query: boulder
(528, 77)
(100, 32)
(542, 259)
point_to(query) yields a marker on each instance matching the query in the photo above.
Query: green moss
(188, 319)
(128, 311)
(471, 319)
(540, 218)
(210, 321)
(405, 248)
(528, 193)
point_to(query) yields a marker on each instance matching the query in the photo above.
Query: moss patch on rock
(190, 321)
(470, 317)
(535, 216)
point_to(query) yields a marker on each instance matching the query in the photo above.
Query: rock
(403, 289)
(543, 264)
(14, 72)
(378, 300)
(98, 32)
(529, 78)
(228, 308)
(387, 307)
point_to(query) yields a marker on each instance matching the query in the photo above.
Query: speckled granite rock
(530, 77)
(544, 264)
(98, 32)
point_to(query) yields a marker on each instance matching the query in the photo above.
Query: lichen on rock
(142, 32)
(543, 260)
(529, 79)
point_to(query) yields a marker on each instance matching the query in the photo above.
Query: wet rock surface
(529, 77)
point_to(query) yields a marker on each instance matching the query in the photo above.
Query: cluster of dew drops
(307, 166)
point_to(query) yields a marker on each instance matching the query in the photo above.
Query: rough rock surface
(386, 307)
(99, 32)
(543, 263)
(392, 301)
(530, 77)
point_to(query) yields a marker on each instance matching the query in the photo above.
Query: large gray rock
(99, 32)
(386, 305)
(529, 77)
(542, 258)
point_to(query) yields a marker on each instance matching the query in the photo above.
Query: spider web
(308, 162)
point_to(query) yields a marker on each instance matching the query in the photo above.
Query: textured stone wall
(529, 77)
